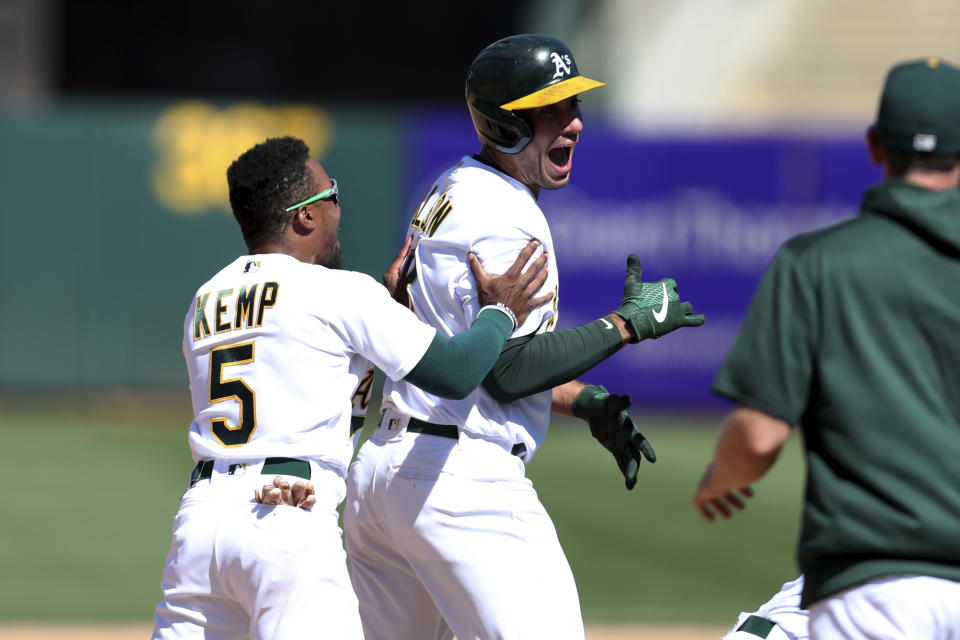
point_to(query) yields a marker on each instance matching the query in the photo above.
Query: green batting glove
(606, 413)
(653, 309)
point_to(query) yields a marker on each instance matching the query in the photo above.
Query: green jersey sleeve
(454, 367)
(531, 364)
(770, 364)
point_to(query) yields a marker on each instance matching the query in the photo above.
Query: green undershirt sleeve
(454, 367)
(532, 364)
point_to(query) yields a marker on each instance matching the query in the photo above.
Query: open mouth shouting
(561, 158)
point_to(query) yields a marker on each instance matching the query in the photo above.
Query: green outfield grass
(87, 504)
(647, 555)
(89, 494)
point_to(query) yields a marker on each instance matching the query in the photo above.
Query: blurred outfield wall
(112, 216)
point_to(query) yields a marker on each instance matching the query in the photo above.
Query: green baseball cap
(920, 108)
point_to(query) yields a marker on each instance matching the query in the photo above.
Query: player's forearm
(532, 364)
(454, 367)
(749, 444)
(626, 334)
(563, 396)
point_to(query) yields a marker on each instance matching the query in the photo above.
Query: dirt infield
(655, 632)
(141, 632)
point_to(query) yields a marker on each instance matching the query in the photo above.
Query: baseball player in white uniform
(779, 618)
(445, 533)
(279, 345)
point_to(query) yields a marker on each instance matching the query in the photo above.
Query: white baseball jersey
(279, 354)
(473, 207)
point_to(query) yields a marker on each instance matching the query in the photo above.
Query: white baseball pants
(238, 569)
(890, 608)
(448, 537)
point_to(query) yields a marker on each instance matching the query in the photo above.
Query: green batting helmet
(519, 72)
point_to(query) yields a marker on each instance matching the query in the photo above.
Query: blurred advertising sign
(709, 212)
(196, 141)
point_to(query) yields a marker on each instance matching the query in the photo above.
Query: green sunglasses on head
(327, 194)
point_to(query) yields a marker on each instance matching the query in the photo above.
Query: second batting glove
(606, 413)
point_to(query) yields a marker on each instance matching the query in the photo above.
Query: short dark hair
(264, 181)
(903, 162)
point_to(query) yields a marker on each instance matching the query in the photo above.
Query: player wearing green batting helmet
(516, 73)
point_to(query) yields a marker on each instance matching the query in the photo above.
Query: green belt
(452, 431)
(274, 466)
(760, 627)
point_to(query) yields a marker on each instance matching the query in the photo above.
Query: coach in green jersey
(854, 334)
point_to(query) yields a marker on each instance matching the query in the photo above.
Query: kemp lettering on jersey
(241, 310)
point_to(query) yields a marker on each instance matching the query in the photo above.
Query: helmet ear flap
(502, 130)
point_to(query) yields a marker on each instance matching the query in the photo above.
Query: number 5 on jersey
(232, 389)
